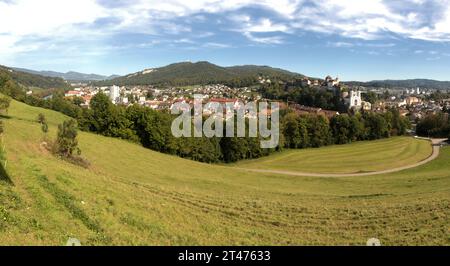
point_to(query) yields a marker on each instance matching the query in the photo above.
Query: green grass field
(364, 156)
(134, 196)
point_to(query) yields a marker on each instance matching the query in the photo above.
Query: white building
(73, 93)
(354, 99)
(367, 106)
(114, 93)
(331, 83)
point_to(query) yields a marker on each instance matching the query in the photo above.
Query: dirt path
(435, 153)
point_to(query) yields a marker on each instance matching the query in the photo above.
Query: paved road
(435, 145)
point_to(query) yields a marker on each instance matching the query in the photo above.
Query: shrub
(5, 101)
(66, 142)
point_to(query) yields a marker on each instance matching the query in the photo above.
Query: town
(414, 103)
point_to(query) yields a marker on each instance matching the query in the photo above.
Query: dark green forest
(186, 73)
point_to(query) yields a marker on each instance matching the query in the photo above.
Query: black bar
(227, 255)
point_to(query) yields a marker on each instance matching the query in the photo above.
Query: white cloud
(265, 25)
(46, 17)
(373, 19)
(264, 40)
(28, 25)
(184, 40)
(360, 44)
(341, 44)
(57, 20)
(216, 45)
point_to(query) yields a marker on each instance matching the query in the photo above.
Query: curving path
(436, 144)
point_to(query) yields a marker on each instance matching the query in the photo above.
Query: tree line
(434, 125)
(293, 91)
(305, 131)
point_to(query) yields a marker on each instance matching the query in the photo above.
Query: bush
(41, 118)
(5, 101)
(66, 142)
(43, 121)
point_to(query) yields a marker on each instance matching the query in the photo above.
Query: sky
(352, 39)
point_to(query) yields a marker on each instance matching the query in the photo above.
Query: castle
(353, 99)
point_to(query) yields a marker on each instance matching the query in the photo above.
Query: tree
(370, 97)
(11, 89)
(66, 142)
(233, 149)
(341, 129)
(304, 141)
(434, 125)
(78, 100)
(44, 127)
(376, 126)
(5, 101)
(149, 95)
(356, 128)
(319, 131)
(41, 118)
(399, 124)
(291, 131)
(43, 121)
(295, 131)
(101, 107)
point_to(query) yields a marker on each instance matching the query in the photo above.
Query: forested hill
(71, 75)
(33, 80)
(408, 83)
(187, 73)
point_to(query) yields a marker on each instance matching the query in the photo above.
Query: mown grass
(364, 156)
(134, 196)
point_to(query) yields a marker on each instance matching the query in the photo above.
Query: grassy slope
(353, 158)
(136, 196)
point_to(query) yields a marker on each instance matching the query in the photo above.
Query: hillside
(70, 76)
(408, 83)
(135, 196)
(33, 80)
(187, 73)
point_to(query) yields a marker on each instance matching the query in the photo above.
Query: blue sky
(352, 39)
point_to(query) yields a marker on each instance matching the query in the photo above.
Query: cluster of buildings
(161, 98)
(118, 95)
(412, 102)
(414, 106)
